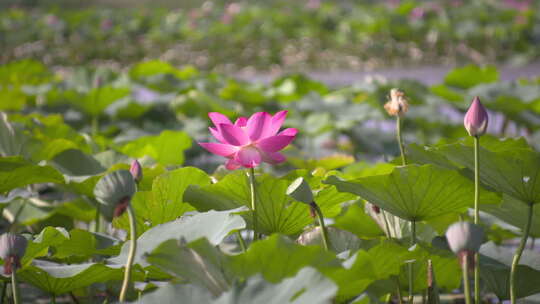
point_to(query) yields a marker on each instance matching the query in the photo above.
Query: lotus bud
(114, 191)
(12, 249)
(476, 118)
(464, 236)
(136, 171)
(299, 190)
(398, 103)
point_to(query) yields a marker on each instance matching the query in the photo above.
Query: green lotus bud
(12, 249)
(464, 236)
(114, 191)
(299, 190)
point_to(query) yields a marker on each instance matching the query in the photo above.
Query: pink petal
(218, 118)
(232, 164)
(277, 122)
(476, 118)
(273, 158)
(258, 125)
(289, 132)
(216, 134)
(248, 157)
(274, 143)
(241, 122)
(233, 135)
(220, 149)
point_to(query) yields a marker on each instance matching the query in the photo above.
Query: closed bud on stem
(299, 190)
(476, 118)
(465, 239)
(12, 249)
(136, 171)
(398, 104)
(114, 192)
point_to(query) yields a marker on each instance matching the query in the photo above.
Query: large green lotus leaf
(98, 99)
(12, 138)
(76, 165)
(357, 221)
(198, 262)
(168, 191)
(340, 240)
(277, 257)
(495, 265)
(471, 75)
(171, 293)
(27, 212)
(307, 287)
(514, 212)
(416, 192)
(276, 213)
(213, 225)
(166, 148)
(65, 278)
(513, 171)
(16, 172)
(39, 246)
(365, 267)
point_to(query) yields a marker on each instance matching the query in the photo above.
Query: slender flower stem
(4, 288)
(476, 215)
(97, 219)
(400, 141)
(411, 270)
(466, 282)
(253, 202)
(131, 255)
(241, 241)
(324, 232)
(15, 286)
(517, 255)
(398, 291)
(387, 226)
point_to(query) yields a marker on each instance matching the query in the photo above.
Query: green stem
(388, 234)
(466, 282)
(517, 255)
(131, 255)
(398, 291)
(400, 141)
(53, 299)
(411, 268)
(253, 202)
(15, 286)
(324, 232)
(97, 219)
(4, 288)
(241, 241)
(95, 125)
(476, 214)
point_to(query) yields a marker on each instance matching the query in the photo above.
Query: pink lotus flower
(476, 118)
(248, 142)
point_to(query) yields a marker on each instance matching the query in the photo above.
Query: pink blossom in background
(249, 141)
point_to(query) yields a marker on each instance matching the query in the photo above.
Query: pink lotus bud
(476, 118)
(136, 171)
(12, 249)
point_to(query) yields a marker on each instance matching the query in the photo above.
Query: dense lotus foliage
(269, 35)
(333, 216)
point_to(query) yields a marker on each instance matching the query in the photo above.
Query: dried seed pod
(398, 103)
(114, 190)
(299, 190)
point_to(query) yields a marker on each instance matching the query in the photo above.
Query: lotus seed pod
(398, 104)
(299, 190)
(136, 171)
(114, 191)
(464, 236)
(12, 249)
(476, 118)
